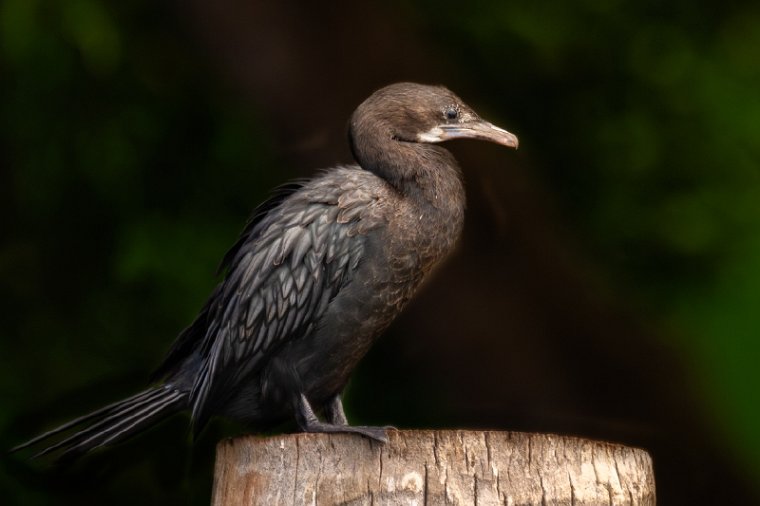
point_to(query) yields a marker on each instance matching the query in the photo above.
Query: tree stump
(430, 467)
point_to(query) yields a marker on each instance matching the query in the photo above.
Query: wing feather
(293, 259)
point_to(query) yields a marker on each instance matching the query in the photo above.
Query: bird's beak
(481, 130)
(477, 129)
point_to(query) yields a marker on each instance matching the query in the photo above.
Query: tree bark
(431, 467)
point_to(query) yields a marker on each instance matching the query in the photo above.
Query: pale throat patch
(433, 135)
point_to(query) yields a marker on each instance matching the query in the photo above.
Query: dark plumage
(318, 273)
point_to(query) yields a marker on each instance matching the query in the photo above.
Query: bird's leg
(334, 411)
(308, 422)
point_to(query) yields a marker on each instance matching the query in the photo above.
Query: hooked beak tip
(490, 132)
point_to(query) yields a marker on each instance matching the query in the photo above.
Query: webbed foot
(308, 421)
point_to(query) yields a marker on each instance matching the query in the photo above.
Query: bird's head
(416, 113)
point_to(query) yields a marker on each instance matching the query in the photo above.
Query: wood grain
(431, 467)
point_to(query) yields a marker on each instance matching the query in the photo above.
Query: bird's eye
(451, 113)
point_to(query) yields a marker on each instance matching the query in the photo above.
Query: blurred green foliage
(645, 118)
(650, 132)
(655, 147)
(126, 174)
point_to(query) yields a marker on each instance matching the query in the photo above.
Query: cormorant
(318, 273)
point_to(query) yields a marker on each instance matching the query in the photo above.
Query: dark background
(607, 284)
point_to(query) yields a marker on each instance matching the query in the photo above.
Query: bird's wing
(194, 335)
(281, 277)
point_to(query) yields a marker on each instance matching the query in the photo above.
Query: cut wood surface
(431, 467)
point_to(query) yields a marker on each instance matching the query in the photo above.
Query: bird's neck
(423, 173)
(436, 183)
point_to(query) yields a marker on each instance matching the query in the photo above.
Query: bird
(318, 273)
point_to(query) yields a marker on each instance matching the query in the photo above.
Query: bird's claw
(375, 433)
(379, 434)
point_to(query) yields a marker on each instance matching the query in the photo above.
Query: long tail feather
(112, 423)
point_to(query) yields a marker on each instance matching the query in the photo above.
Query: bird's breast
(402, 239)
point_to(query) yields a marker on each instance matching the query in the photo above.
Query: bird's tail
(112, 423)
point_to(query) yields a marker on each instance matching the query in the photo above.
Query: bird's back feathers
(291, 260)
